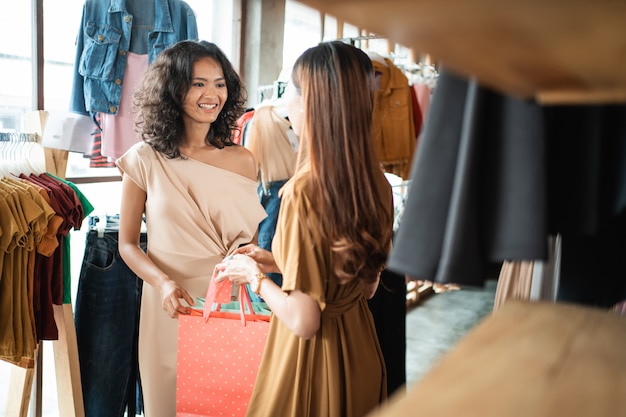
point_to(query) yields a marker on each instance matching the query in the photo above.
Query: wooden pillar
(261, 51)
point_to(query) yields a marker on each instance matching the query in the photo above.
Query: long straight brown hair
(336, 81)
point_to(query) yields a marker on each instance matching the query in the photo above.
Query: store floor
(433, 326)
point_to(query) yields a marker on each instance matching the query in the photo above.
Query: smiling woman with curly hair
(159, 104)
(197, 191)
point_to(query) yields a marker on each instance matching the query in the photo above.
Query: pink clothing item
(118, 131)
(422, 91)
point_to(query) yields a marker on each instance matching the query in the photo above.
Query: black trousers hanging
(388, 306)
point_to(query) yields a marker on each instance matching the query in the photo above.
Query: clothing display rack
(360, 41)
(272, 91)
(70, 399)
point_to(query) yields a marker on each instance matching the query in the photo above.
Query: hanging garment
(497, 176)
(52, 287)
(388, 307)
(100, 66)
(478, 187)
(268, 138)
(242, 125)
(37, 212)
(514, 282)
(118, 130)
(393, 119)
(587, 196)
(23, 223)
(269, 196)
(417, 113)
(96, 159)
(106, 316)
(423, 93)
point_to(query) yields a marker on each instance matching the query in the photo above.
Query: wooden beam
(562, 51)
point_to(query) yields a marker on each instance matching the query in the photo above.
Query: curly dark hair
(158, 99)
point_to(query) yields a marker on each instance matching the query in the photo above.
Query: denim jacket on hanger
(103, 43)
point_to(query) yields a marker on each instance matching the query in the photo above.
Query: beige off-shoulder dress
(195, 215)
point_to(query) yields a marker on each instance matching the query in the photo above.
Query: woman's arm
(131, 214)
(263, 257)
(299, 312)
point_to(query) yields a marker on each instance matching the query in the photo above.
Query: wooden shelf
(535, 359)
(557, 51)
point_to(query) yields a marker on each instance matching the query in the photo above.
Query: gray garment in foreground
(478, 186)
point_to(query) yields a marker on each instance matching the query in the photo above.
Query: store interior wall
(261, 48)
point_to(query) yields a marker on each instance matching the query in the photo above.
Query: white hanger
(375, 56)
(21, 154)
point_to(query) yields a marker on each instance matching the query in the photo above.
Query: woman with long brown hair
(333, 237)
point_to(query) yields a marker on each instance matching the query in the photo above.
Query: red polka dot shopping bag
(219, 354)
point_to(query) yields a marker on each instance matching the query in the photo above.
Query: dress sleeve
(134, 164)
(298, 251)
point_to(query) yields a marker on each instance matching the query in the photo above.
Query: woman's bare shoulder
(241, 160)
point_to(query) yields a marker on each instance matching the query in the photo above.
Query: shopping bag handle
(216, 291)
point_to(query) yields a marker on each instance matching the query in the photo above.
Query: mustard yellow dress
(340, 372)
(195, 215)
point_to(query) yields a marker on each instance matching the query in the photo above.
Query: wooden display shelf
(530, 359)
(557, 51)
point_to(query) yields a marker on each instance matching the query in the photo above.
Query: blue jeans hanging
(271, 203)
(267, 228)
(107, 326)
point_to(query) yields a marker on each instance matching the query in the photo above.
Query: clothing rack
(421, 73)
(69, 390)
(19, 151)
(272, 91)
(18, 137)
(352, 40)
